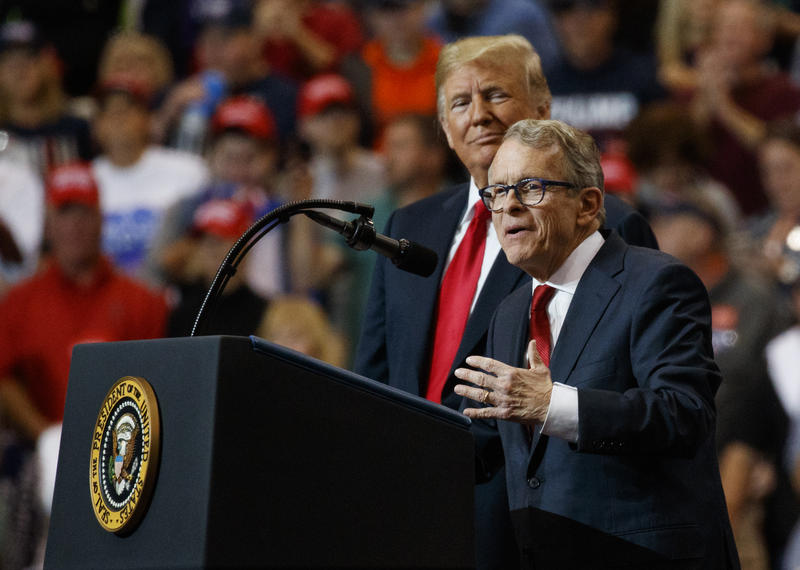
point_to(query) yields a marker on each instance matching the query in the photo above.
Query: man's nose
(480, 111)
(510, 202)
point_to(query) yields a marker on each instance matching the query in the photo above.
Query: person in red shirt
(738, 92)
(303, 38)
(76, 297)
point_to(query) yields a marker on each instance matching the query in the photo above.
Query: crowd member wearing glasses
(417, 330)
(600, 375)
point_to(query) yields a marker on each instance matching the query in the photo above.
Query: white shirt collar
(472, 199)
(567, 276)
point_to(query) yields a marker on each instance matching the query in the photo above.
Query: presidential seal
(124, 456)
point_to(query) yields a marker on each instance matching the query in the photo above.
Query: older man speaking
(601, 374)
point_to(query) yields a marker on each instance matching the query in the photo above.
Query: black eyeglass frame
(544, 182)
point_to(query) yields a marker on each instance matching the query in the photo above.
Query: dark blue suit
(399, 321)
(642, 483)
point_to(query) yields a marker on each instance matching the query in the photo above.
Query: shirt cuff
(562, 414)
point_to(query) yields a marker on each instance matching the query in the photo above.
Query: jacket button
(534, 482)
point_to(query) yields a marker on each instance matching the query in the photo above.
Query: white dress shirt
(562, 415)
(492, 243)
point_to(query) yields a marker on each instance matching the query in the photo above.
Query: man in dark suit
(609, 442)
(484, 85)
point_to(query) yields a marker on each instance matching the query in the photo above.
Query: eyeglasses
(529, 192)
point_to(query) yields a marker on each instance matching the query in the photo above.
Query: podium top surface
(360, 382)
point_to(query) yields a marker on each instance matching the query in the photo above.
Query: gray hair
(579, 153)
(492, 50)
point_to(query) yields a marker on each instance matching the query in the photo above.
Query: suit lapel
(595, 291)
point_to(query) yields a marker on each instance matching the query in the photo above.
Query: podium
(268, 459)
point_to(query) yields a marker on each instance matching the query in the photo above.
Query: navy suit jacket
(399, 323)
(642, 482)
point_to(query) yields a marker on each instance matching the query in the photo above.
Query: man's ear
(591, 202)
(543, 110)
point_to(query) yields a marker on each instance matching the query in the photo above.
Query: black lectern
(267, 459)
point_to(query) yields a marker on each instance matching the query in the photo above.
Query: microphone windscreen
(417, 259)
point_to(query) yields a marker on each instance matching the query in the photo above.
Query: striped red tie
(455, 300)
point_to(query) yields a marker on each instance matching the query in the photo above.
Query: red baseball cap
(323, 91)
(618, 172)
(222, 218)
(246, 114)
(125, 84)
(72, 183)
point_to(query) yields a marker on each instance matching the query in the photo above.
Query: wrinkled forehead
(515, 160)
(485, 72)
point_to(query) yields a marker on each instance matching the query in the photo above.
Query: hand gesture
(508, 393)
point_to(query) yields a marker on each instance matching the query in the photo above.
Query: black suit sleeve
(371, 358)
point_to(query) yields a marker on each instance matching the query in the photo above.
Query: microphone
(360, 234)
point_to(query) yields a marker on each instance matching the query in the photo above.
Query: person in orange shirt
(394, 73)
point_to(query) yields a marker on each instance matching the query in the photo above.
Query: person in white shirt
(21, 221)
(138, 181)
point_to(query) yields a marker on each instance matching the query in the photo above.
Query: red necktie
(455, 300)
(540, 322)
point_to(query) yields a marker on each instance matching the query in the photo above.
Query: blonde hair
(300, 317)
(126, 45)
(492, 50)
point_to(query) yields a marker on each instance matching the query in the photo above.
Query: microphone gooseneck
(359, 234)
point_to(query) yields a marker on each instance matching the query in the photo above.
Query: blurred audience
(229, 63)
(416, 156)
(683, 30)
(671, 166)
(21, 221)
(737, 91)
(456, 19)
(141, 58)
(777, 231)
(77, 31)
(243, 160)
(33, 105)
(303, 38)
(782, 362)
(394, 72)
(238, 310)
(599, 86)
(138, 180)
(302, 325)
(752, 426)
(329, 123)
(76, 297)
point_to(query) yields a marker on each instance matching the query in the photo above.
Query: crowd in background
(139, 139)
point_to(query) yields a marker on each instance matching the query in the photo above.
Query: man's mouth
(487, 138)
